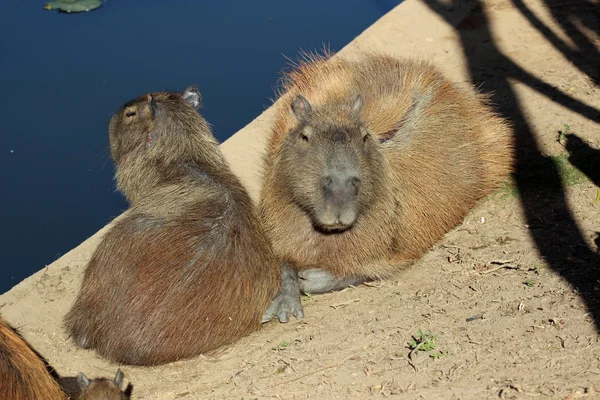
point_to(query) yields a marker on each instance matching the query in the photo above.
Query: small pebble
(474, 318)
(482, 220)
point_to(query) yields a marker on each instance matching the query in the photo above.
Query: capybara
(371, 162)
(189, 267)
(83, 388)
(24, 374)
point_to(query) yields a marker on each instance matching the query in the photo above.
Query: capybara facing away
(371, 162)
(188, 268)
(24, 374)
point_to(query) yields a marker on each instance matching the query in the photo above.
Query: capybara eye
(304, 137)
(130, 114)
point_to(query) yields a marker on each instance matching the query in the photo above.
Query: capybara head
(330, 163)
(153, 137)
(102, 388)
(155, 124)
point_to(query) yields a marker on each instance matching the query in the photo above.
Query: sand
(512, 295)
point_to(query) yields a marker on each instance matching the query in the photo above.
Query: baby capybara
(371, 162)
(83, 388)
(188, 268)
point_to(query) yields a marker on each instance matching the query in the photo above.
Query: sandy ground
(512, 296)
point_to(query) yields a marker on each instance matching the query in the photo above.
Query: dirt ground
(511, 296)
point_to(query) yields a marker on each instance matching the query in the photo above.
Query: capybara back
(189, 268)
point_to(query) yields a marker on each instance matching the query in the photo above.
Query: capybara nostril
(340, 188)
(355, 183)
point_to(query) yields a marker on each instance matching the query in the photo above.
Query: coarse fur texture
(102, 388)
(423, 150)
(24, 374)
(80, 387)
(189, 268)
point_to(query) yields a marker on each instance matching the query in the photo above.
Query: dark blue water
(62, 76)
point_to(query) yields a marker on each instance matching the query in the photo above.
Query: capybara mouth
(333, 220)
(332, 229)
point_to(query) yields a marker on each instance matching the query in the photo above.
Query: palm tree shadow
(552, 226)
(584, 157)
(573, 17)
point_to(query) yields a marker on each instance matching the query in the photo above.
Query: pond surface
(63, 75)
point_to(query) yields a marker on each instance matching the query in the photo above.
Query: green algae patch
(73, 6)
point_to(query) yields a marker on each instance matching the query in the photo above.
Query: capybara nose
(341, 186)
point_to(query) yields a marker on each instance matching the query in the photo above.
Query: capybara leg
(78, 328)
(317, 280)
(82, 340)
(287, 301)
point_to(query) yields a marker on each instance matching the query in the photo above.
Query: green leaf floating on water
(73, 6)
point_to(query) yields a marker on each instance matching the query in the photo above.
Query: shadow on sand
(559, 240)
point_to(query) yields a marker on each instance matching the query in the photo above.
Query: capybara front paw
(284, 304)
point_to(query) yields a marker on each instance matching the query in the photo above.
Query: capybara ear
(118, 381)
(83, 381)
(192, 96)
(357, 104)
(301, 107)
(151, 105)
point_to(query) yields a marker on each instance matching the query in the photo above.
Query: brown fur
(82, 388)
(432, 151)
(101, 389)
(24, 374)
(189, 269)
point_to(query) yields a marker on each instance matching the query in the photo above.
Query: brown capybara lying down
(370, 163)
